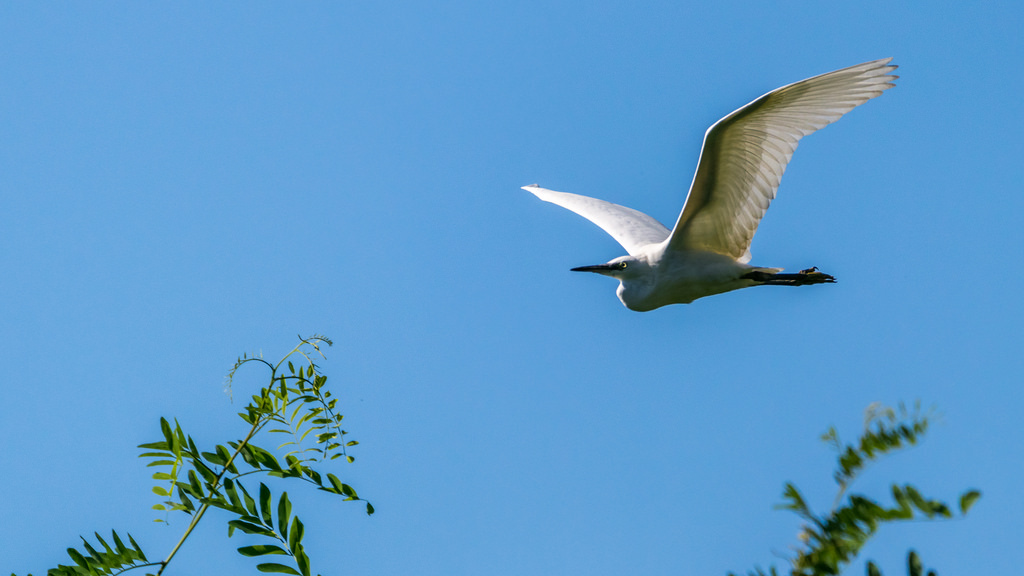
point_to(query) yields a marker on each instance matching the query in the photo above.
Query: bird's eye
(622, 264)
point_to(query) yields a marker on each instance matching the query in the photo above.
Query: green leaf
(78, 558)
(903, 500)
(930, 508)
(94, 554)
(914, 566)
(137, 548)
(191, 444)
(340, 488)
(161, 463)
(284, 511)
(209, 476)
(303, 561)
(222, 503)
(118, 544)
(265, 504)
(794, 501)
(175, 441)
(915, 497)
(968, 499)
(226, 455)
(306, 433)
(154, 446)
(103, 543)
(250, 504)
(165, 428)
(873, 570)
(265, 459)
(214, 458)
(232, 492)
(261, 550)
(194, 484)
(246, 453)
(250, 528)
(277, 568)
(325, 437)
(295, 535)
(369, 509)
(185, 502)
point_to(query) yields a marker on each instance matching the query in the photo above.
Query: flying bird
(739, 170)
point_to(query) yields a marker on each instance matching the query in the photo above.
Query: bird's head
(621, 268)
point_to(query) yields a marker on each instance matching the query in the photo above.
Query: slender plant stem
(202, 509)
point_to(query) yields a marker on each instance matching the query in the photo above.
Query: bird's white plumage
(630, 228)
(741, 165)
(745, 154)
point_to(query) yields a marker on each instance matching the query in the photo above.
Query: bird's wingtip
(529, 187)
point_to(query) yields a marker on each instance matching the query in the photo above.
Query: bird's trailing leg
(803, 278)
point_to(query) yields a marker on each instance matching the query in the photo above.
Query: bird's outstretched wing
(745, 154)
(631, 228)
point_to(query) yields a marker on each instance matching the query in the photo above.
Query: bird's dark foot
(803, 278)
(812, 276)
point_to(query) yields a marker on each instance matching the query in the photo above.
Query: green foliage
(295, 404)
(829, 542)
(110, 560)
(914, 567)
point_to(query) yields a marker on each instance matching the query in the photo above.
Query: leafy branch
(296, 403)
(829, 542)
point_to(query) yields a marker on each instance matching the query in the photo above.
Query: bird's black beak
(598, 268)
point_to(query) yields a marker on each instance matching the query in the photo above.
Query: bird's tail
(771, 277)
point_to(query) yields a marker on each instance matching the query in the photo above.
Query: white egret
(739, 170)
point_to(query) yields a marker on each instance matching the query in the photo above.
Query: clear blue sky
(182, 183)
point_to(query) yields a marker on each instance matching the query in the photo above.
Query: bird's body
(682, 277)
(740, 167)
